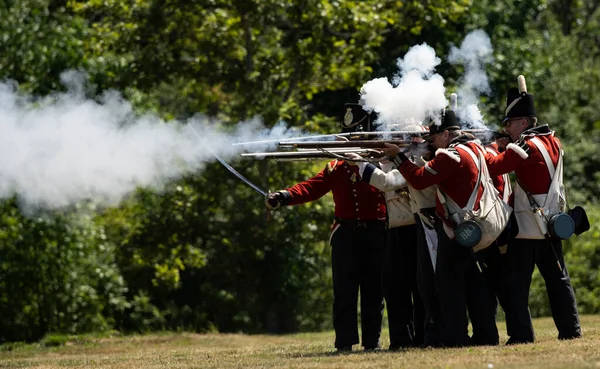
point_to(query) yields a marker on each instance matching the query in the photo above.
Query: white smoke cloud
(59, 150)
(474, 53)
(421, 58)
(414, 94)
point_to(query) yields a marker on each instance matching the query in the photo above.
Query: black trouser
(426, 283)
(460, 283)
(357, 256)
(402, 299)
(522, 256)
(493, 263)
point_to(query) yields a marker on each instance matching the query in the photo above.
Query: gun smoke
(417, 92)
(64, 148)
(474, 53)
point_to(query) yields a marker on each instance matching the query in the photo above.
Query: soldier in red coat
(459, 280)
(535, 157)
(357, 244)
(403, 302)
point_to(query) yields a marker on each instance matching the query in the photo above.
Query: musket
(315, 154)
(350, 135)
(371, 144)
(331, 137)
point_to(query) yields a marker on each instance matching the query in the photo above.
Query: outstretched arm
(443, 166)
(381, 180)
(509, 160)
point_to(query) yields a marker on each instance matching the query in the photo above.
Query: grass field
(307, 350)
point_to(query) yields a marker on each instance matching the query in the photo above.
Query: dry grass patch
(307, 350)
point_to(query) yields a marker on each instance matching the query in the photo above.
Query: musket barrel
(312, 154)
(372, 144)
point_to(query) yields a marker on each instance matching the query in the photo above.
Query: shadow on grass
(343, 353)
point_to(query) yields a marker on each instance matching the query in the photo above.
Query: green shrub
(57, 274)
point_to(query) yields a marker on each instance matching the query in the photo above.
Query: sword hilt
(268, 212)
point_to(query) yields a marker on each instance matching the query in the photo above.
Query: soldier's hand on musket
(353, 158)
(274, 200)
(391, 149)
(502, 143)
(430, 152)
(396, 155)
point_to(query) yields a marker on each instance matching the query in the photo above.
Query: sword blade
(229, 167)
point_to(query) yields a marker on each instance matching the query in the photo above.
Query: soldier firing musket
(535, 155)
(357, 240)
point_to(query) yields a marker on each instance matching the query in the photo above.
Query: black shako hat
(356, 119)
(449, 119)
(519, 103)
(449, 122)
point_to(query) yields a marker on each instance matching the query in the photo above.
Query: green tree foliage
(39, 40)
(57, 273)
(208, 258)
(238, 58)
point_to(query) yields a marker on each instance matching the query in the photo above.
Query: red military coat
(354, 199)
(502, 181)
(452, 169)
(532, 176)
(530, 169)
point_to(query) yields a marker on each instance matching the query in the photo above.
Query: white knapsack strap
(536, 141)
(480, 167)
(506, 191)
(555, 173)
(473, 197)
